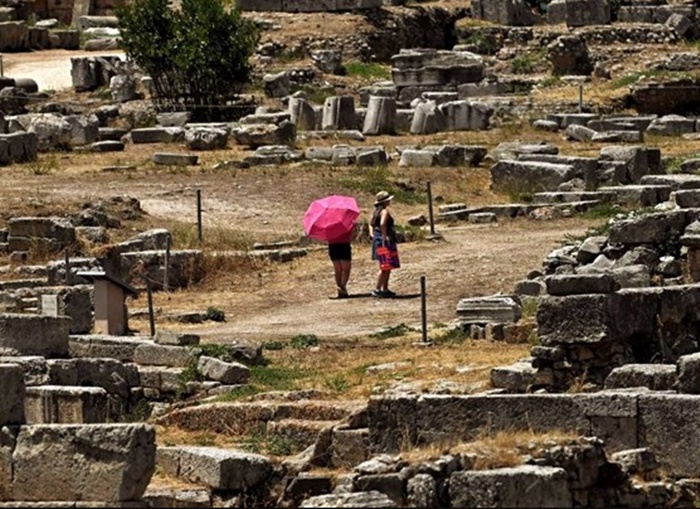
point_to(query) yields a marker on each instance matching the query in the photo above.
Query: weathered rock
(302, 114)
(25, 334)
(357, 499)
(12, 399)
(108, 462)
(571, 284)
(256, 135)
(339, 113)
(277, 85)
(380, 117)
(657, 377)
(206, 139)
(428, 119)
(221, 469)
(569, 55)
(175, 159)
(224, 372)
(526, 486)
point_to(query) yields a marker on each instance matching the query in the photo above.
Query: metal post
(199, 215)
(151, 318)
(67, 266)
(430, 210)
(423, 311)
(2, 67)
(580, 98)
(166, 264)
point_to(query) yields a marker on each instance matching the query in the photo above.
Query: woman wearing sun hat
(384, 235)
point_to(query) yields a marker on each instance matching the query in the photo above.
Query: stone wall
(307, 5)
(666, 423)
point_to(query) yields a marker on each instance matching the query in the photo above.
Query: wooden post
(151, 317)
(166, 264)
(199, 215)
(2, 67)
(430, 210)
(67, 266)
(423, 310)
(580, 98)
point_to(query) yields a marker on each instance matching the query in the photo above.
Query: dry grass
(340, 368)
(496, 450)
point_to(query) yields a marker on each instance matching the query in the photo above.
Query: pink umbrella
(332, 218)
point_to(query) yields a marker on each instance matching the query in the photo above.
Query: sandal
(343, 293)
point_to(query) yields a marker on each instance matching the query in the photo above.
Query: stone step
(61, 404)
(513, 210)
(515, 378)
(244, 417)
(572, 196)
(300, 433)
(22, 283)
(676, 181)
(646, 195)
(121, 348)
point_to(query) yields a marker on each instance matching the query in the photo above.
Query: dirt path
(49, 68)
(291, 299)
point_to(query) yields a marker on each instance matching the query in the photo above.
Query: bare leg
(383, 280)
(346, 266)
(338, 272)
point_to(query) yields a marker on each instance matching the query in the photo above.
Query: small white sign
(49, 305)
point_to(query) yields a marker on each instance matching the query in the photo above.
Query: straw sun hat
(383, 197)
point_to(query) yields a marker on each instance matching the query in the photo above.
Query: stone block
(74, 301)
(25, 334)
(356, 499)
(8, 437)
(174, 159)
(107, 462)
(57, 228)
(523, 486)
(530, 175)
(667, 425)
(157, 135)
(34, 368)
(393, 485)
(177, 497)
(113, 347)
(173, 338)
(115, 377)
(514, 378)
(653, 228)
(483, 310)
(417, 158)
(574, 284)
(161, 378)
(657, 377)
(163, 355)
(689, 374)
(470, 415)
(12, 399)
(221, 469)
(349, 447)
(224, 372)
(54, 404)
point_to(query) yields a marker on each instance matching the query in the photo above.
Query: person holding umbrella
(332, 219)
(340, 253)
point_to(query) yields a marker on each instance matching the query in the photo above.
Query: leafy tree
(198, 55)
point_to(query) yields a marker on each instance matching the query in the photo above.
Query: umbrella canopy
(331, 219)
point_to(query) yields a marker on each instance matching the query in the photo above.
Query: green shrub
(215, 314)
(370, 70)
(197, 56)
(274, 345)
(303, 341)
(456, 335)
(392, 332)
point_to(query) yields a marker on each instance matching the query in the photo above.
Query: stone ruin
(299, 6)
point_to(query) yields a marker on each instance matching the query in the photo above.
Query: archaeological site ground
(170, 337)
